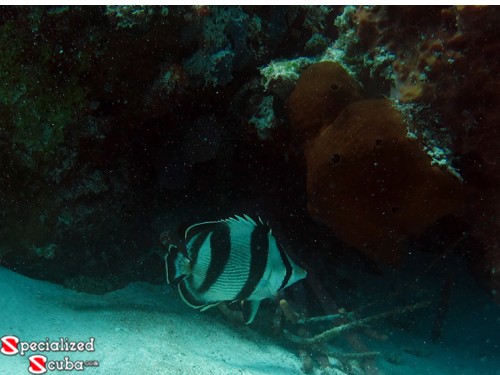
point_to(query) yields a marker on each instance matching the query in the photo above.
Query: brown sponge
(371, 184)
(321, 92)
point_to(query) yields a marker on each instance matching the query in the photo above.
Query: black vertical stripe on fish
(259, 251)
(288, 267)
(188, 296)
(196, 245)
(220, 247)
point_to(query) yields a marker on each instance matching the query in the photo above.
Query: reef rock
(448, 59)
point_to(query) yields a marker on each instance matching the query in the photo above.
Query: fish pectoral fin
(249, 309)
(176, 265)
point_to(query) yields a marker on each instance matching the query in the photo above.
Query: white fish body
(236, 259)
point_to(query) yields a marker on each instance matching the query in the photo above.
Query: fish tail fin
(176, 265)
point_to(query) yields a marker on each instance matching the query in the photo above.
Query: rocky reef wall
(121, 125)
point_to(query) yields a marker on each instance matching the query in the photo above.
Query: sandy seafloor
(146, 329)
(141, 329)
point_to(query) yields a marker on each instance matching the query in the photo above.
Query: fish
(231, 260)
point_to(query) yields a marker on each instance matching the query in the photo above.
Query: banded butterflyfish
(236, 259)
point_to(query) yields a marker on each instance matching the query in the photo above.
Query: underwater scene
(198, 189)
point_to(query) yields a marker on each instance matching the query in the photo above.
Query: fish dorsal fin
(241, 220)
(207, 226)
(250, 309)
(247, 220)
(196, 229)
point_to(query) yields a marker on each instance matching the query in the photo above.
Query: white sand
(141, 329)
(146, 329)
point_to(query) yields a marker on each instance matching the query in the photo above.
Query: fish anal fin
(209, 306)
(249, 309)
(188, 297)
